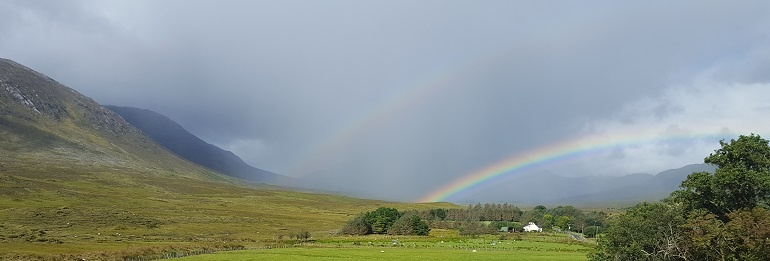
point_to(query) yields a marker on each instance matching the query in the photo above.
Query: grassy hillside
(70, 210)
(78, 181)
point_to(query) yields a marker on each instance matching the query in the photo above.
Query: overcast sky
(397, 98)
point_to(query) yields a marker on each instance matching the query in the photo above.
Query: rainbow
(554, 152)
(320, 156)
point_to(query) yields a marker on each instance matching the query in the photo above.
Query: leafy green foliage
(386, 221)
(648, 231)
(478, 212)
(741, 181)
(743, 237)
(747, 153)
(419, 227)
(751, 229)
(719, 216)
(563, 222)
(409, 225)
(381, 219)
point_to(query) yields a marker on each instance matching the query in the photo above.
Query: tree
(747, 153)
(741, 180)
(648, 231)
(409, 225)
(419, 227)
(381, 219)
(708, 237)
(743, 237)
(563, 222)
(402, 226)
(752, 233)
(547, 220)
(380, 227)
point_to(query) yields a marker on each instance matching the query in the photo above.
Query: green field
(384, 254)
(527, 247)
(440, 245)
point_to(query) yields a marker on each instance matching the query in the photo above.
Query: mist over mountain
(54, 125)
(188, 146)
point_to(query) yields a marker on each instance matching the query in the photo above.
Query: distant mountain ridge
(175, 138)
(549, 188)
(656, 188)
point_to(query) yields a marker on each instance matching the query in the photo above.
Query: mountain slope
(183, 143)
(46, 122)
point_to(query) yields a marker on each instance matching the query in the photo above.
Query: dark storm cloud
(274, 80)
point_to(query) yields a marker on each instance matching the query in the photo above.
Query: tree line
(474, 220)
(506, 215)
(713, 216)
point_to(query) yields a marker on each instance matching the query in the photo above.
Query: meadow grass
(80, 210)
(440, 245)
(422, 251)
(386, 254)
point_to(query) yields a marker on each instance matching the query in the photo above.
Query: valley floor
(526, 247)
(429, 254)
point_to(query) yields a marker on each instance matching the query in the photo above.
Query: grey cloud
(292, 74)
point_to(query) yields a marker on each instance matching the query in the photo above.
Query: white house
(532, 227)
